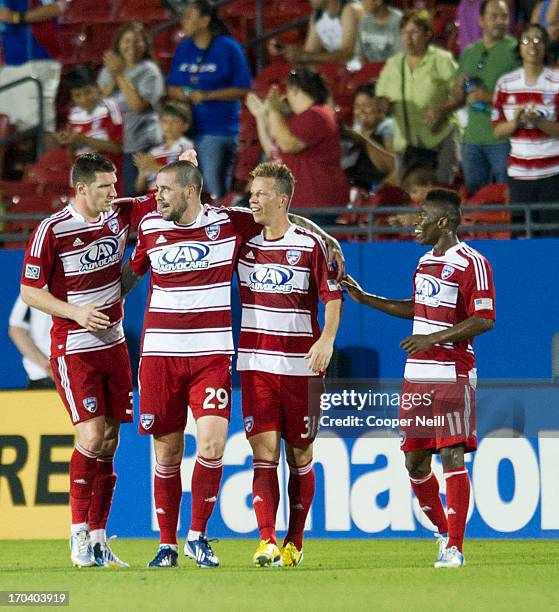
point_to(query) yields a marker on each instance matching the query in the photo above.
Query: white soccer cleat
(442, 541)
(105, 557)
(81, 551)
(451, 559)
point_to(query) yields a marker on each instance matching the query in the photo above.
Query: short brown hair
(419, 17)
(285, 181)
(177, 109)
(186, 173)
(87, 165)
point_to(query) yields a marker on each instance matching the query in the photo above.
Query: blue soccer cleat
(105, 557)
(201, 551)
(451, 559)
(165, 557)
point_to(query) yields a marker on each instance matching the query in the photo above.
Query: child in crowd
(94, 123)
(175, 118)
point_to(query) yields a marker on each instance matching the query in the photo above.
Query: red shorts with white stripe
(278, 402)
(95, 383)
(169, 385)
(437, 415)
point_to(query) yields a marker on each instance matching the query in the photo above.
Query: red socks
(206, 479)
(102, 494)
(167, 494)
(301, 493)
(427, 492)
(83, 466)
(265, 497)
(457, 502)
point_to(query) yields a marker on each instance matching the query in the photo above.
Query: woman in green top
(418, 82)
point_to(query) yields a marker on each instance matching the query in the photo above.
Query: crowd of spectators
(485, 115)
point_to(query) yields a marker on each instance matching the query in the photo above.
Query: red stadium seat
(88, 11)
(141, 10)
(369, 73)
(274, 74)
(490, 194)
(96, 39)
(30, 204)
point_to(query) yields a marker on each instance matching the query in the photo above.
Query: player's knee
(109, 446)
(416, 467)
(91, 441)
(211, 448)
(452, 457)
(299, 456)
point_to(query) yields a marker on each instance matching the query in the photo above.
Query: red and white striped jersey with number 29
(79, 263)
(281, 282)
(449, 289)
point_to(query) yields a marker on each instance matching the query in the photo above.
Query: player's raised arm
(397, 308)
(335, 253)
(88, 316)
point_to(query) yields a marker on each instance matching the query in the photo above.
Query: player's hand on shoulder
(90, 317)
(189, 156)
(353, 288)
(336, 255)
(320, 354)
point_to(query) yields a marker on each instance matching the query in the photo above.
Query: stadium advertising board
(362, 487)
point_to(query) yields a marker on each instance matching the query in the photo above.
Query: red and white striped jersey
(165, 154)
(280, 283)
(80, 263)
(188, 312)
(104, 122)
(534, 154)
(449, 289)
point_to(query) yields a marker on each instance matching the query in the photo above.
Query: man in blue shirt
(30, 45)
(210, 71)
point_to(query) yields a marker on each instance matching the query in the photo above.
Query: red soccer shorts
(168, 385)
(96, 383)
(437, 415)
(278, 402)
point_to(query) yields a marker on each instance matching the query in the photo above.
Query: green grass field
(336, 575)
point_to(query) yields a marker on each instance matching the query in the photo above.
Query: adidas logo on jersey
(250, 255)
(161, 240)
(77, 242)
(425, 508)
(159, 511)
(80, 481)
(451, 511)
(211, 499)
(257, 499)
(297, 507)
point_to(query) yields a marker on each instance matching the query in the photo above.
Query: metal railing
(366, 226)
(36, 130)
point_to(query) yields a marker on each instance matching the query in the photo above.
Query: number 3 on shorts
(216, 396)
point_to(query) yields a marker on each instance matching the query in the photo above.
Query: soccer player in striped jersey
(453, 302)
(72, 272)
(283, 273)
(187, 343)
